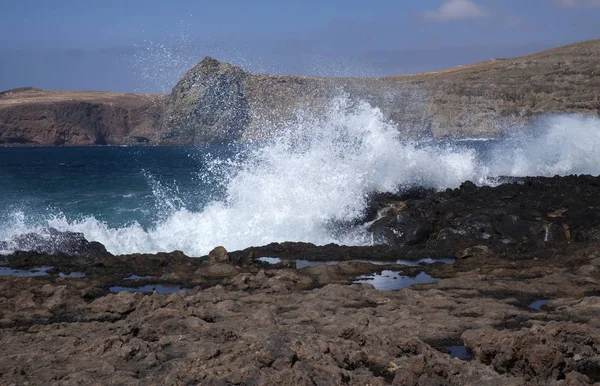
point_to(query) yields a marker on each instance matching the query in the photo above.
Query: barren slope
(217, 102)
(37, 117)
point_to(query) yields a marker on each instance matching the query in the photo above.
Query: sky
(146, 45)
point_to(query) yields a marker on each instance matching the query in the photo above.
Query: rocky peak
(206, 72)
(208, 104)
(209, 64)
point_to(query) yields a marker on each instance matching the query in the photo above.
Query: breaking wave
(319, 172)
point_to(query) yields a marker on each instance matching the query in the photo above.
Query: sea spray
(317, 173)
(551, 145)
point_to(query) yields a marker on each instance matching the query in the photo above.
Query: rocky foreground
(216, 102)
(519, 303)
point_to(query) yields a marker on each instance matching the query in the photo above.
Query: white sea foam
(319, 172)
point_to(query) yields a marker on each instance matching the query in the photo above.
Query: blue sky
(144, 46)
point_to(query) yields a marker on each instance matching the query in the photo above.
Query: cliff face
(208, 105)
(483, 97)
(217, 102)
(51, 118)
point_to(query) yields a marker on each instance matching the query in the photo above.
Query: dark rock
(51, 241)
(478, 226)
(513, 227)
(467, 185)
(474, 214)
(311, 252)
(418, 233)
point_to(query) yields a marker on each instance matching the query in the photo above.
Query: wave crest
(320, 171)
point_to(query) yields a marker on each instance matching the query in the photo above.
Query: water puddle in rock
(408, 263)
(270, 260)
(72, 275)
(162, 289)
(308, 263)
(426, 261)
(460, 352)
(34, 272)
(390, 280)
(299, 263)
(538, 304)
(136, 277)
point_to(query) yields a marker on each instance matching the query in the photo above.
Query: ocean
(309, 182)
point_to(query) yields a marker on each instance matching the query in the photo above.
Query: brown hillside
(217, 102)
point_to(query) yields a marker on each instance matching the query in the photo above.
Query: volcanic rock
(540, 354)
(265, 324)
(51, 241)
(476, 215)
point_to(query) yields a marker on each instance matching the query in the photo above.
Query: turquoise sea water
(116, 185)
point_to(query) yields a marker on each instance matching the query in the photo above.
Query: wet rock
(51, 241)
(467, 185)
(418, 233)
(538, 210)
(448, 233)
(312, 252)
(344, 272)
(514, 228)
(478, 226)
(401, 229)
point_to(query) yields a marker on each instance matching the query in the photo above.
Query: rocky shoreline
(512, 297)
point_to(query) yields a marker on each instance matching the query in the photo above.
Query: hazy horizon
(137, 47)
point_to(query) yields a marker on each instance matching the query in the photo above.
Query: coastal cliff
(217, 102)
(33, 117)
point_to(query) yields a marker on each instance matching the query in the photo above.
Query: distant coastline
(216, 102)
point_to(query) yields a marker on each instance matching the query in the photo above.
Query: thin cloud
(513, 22)
(456, 10)
(576, 3)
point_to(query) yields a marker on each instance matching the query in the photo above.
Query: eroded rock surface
(240, 320)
